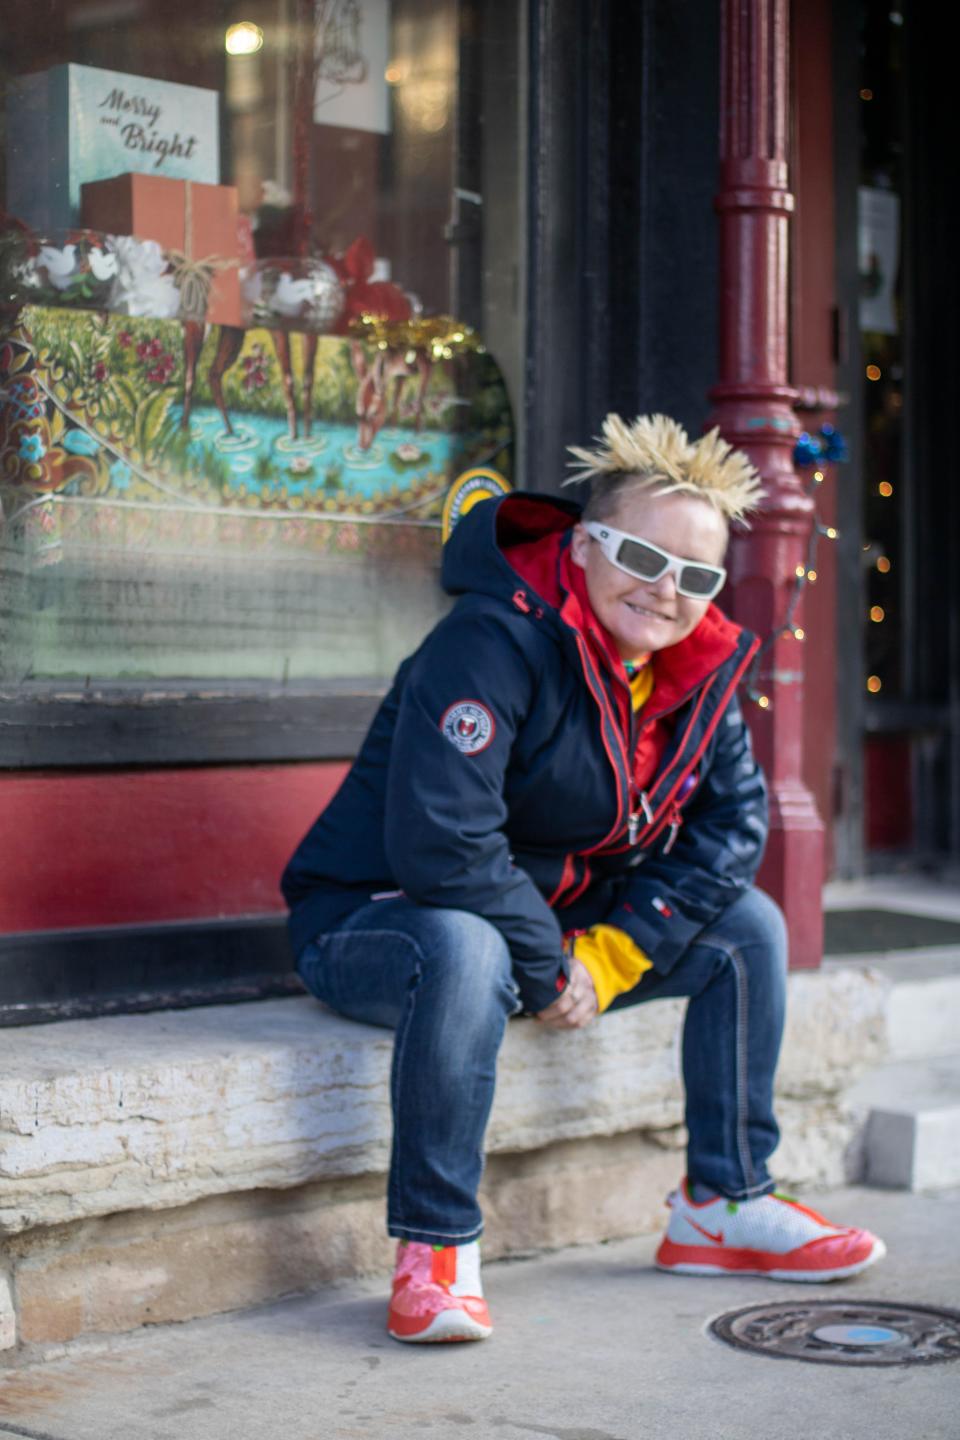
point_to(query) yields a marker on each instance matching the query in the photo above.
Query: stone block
(179, 1272)
(817, 1138)
(936, 1150)
(8, 1319)
(912, 1135)
(924, 1018)
(918, 1150)
(836, 1030)
(163, 1110)
(114, 1275)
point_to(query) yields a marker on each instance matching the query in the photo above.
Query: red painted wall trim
(125, 847)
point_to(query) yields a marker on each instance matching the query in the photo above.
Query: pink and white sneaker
(437, 1294)
(772, 1236)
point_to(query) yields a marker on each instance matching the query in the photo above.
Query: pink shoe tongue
(453, 1269)
(414, 1263)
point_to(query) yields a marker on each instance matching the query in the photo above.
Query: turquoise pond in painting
(260, 456)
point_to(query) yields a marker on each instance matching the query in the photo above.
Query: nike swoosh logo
(717, 1239)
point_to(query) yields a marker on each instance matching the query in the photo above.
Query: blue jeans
(442, 980)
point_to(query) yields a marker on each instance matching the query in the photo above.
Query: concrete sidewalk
(590, 1344)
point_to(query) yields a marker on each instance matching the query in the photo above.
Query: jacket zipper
(671, 807)
(606, 714)
(652, 815)
(676, 820)
(568, 875)
(638, 804)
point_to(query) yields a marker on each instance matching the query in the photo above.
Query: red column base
(792, 871)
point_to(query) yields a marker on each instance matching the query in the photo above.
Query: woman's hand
(576, 1006)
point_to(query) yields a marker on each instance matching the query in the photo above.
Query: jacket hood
(474, 558)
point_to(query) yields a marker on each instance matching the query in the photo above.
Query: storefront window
(248, 485)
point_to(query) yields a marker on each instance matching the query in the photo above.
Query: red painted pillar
(753, 405)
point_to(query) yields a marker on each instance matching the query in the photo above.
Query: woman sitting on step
(557, 812)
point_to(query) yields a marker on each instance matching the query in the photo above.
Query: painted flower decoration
(32, 449)
(60, 265)
(255, 369)
(120, 475)
(408, 453)
(301, 465)
(79, 442)
(158, 363)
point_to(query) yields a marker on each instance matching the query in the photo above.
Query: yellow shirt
(614, 961)
(640, 682)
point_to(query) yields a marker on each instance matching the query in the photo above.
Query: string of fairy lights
(813, 452)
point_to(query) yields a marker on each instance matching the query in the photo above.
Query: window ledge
(50, 723)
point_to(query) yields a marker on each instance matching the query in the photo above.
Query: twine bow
(194, 278)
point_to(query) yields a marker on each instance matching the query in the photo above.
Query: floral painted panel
(257, 505)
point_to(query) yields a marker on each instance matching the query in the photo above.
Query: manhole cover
(862, 1332)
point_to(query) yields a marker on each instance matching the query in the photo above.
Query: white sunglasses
(646, 561)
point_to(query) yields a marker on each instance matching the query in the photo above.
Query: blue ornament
(835, 447)
(806, 451)
(827, 448)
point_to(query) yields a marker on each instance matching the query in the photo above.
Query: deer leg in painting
(309, 366)
(281, 343)
(228, 349)
(193, 331)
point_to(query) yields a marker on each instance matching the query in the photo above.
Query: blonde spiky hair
(656, 452)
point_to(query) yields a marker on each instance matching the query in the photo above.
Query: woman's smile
(639, 609)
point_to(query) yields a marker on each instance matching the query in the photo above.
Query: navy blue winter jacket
(496, 777)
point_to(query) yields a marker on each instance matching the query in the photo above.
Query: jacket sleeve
(445, 807)
(716, 856)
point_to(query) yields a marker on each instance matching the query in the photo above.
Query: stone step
(922, 1014)
(911, 1139)
(158, 1167)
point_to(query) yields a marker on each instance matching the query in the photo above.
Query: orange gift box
(199, 220)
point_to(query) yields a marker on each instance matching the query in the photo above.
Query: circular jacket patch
(468, 725)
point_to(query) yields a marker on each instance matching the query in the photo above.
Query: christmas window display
(186, 501)
(227, 435)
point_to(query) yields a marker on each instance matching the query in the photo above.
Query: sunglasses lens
(699, 582)
(640, 560)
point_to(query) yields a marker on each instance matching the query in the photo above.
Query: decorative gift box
(74, 123)
(197, 222)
